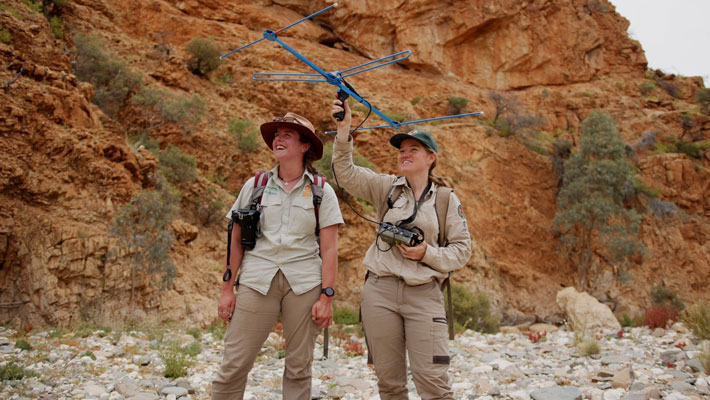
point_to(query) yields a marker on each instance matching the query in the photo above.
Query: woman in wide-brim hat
(283, 274)
(402, 303)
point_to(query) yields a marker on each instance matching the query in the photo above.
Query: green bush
(661, 296)
(217, 328)
(33, 5)
(143, 229)
(249, 142)
(161, 107)
(210, 212)
(205, 56)
(14, 372)
(176, 165)
(195, 332)
(416, 100)
(5, 36)
(217, 179)
(697, 319)
(691, 149)
(473, 311)
(176, 364)
(146, 141)
(88, 353)
(641, 187)
(345, 316)
(224, 79)
(647, 87)
(237, 127)
(23, 345)
(627, 321)
(457, 104)
(56, 24)
(589, 347)
(247, 136)
(192, 349)
(114, 83)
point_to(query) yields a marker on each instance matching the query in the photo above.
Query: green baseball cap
(424, 137)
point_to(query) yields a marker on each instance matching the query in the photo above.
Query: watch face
(329, 291)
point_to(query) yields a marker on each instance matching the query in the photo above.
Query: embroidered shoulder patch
(307, 192)
(461, 214)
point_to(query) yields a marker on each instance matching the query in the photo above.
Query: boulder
(584, 312)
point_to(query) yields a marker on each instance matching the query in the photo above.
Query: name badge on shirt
(271, 190)
(307, 192)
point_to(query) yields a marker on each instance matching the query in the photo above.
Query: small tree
(114, 83)
(591, 217)
(205, 56)
(142, 227)
(503, 104)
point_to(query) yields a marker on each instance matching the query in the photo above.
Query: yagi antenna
(336, 78)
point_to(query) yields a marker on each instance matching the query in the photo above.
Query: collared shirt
(287, 241)
(373, 187)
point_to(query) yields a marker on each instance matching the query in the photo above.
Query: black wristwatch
(329, 291)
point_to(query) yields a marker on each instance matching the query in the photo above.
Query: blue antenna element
(281, 30)
(414, 122)
(263, 76)
(336, 78)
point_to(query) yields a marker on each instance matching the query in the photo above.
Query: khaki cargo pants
(399, 319)
(254, 316)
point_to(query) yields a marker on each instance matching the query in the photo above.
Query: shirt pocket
(271, 210)
(303, 216)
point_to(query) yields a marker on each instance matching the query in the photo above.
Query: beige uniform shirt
(287, 241)
(374, 187)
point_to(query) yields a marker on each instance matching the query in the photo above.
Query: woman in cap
(283, 273)
(402, 303)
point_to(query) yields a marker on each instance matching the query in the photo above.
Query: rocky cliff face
(66, 167)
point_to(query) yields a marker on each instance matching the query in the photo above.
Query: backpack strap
(441, 203)
(261, 178)
(317, 188)
(394, 194)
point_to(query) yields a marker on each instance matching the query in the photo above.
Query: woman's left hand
(322, 312)
(415, 253)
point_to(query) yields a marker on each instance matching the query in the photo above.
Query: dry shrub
(658, 316)
(353, 348)
(697, 319)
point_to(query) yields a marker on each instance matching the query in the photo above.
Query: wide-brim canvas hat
(297, 123)
(424, 137)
